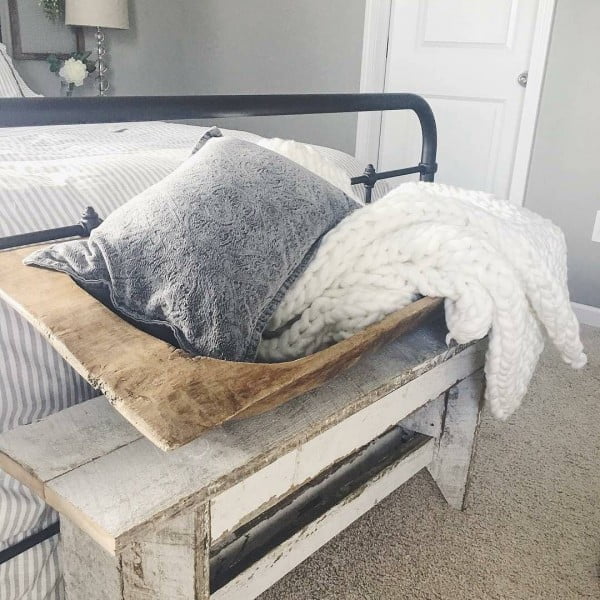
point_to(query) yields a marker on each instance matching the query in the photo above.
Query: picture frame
(34, 37)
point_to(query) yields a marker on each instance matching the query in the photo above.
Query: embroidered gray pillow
(210, 250)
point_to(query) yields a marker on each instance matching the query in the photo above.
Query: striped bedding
(11, 83)
(47, 176)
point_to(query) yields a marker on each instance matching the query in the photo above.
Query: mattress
(47, 176)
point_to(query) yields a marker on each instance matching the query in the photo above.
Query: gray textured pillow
(210, 250)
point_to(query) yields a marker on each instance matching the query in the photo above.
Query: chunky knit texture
(501, 268)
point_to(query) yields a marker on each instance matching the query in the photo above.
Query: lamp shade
(97, 13)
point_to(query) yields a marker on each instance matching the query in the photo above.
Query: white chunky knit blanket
(501, 269)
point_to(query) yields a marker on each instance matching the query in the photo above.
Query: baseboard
(587, 315)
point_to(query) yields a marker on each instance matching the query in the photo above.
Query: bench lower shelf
(264, 550)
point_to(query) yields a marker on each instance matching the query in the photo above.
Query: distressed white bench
(230, 513)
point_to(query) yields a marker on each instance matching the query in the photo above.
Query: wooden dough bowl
(168, 395)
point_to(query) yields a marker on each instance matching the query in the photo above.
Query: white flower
(73, 71)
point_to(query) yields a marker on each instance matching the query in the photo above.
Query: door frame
(378, 14)
(373, 75)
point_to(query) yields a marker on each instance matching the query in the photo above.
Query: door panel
(459, 22)
(464, 57)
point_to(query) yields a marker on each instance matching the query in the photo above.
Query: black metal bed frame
(21, 112)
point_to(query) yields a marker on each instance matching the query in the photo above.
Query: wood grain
(239, 503)
(164, 563)
(456, 446)
(88, 571)
(54, 446)
(170, 563)
(169, 396)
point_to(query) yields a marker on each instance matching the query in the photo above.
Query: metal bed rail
(22, 112)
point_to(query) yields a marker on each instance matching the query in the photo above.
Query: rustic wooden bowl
(168, 395)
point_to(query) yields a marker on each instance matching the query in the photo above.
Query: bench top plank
(89, 463)
(64, 441)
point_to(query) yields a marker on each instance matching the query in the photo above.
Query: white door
(465, 58)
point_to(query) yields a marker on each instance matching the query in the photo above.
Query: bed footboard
(20, 112)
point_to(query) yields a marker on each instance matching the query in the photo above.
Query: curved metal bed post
(429, 137)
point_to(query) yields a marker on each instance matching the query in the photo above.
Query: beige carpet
(532, 529)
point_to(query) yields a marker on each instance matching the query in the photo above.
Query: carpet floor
(532, 527)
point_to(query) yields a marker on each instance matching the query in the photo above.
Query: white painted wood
(88, 571)
(458, 22)
(587, 315)
(372, 77)
(202, 543)
(254, 494)
(428, 419)
(452, 419)
(98, 494)
(456, 446)
(264, 573)
(163, 563)
(171, 562)
(464, 58)
(51, 447)
(531, 105)
(241, 502)
(139, 518)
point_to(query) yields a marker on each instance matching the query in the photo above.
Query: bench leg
(453, 419)
(171, 562)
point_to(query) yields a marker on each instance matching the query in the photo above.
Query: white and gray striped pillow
(11, 83)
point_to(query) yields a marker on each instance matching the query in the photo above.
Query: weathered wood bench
(230, 513)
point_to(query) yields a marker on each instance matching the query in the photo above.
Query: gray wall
(236, 46)
(285, 46)
(563, 183)
(157, 55)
